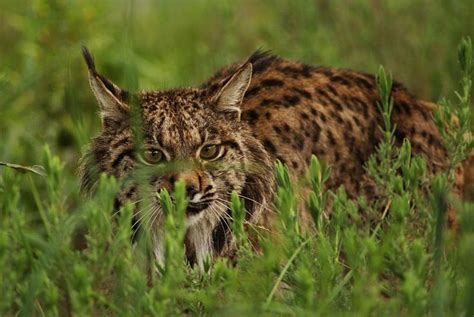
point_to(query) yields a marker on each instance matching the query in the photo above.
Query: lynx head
(198, 126)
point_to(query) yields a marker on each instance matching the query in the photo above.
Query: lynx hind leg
(462, 187)
(467, 178)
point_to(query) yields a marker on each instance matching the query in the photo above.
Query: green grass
(61, 254)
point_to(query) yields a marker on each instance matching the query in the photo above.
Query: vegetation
(61, 254)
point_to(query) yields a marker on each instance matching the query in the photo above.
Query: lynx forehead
(247, 115)
(180, 114)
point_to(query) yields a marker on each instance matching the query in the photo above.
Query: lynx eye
(152, 156)
(210, 152)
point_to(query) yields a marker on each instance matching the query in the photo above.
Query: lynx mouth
(196, 208)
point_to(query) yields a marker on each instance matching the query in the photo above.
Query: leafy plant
(63, 255)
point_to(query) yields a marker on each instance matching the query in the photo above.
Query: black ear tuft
(89, 59)
(260, 54)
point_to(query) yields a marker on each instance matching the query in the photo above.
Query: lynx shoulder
(296, 110)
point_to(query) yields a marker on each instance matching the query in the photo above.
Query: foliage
(63, 255)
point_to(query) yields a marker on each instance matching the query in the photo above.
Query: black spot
(295, 164)
(331, 138)
(373, 141)
(341, 80)
(281, 159)
(337, 116)
(313, 111)
(291, 101)
(316, 133)
(356, 103)
(325, 71)
(416, 147)
(304, 93)
(337, 105)
(298, 142)
(348, 125)
(360, 156)
(252, 92)
(304, 115)
(272, 82)
(431, 139)
(423, 113)
(251, 116)
(212, 130)
(337, 156)
(332, 102)
(342, 168)
(332, 90)
(277, 129)
(295, 72)
(403, 106)
(269, 145)
(285, 138)
(328, 99)
(268, 115)
(322, 116)
(350, 141)
(286, 127)
(363, 83)
(365, 109)
(306, 70)
(322, 93)
(397, 86)
(357, 121)
(266, 102)
(195, 106)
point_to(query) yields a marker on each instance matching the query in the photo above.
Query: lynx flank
(245, 117)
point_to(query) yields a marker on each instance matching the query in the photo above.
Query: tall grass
(62, 255)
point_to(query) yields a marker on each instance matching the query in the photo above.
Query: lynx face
(189, 134)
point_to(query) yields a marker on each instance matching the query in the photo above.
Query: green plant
(61, 254)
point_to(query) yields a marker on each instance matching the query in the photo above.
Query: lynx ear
(230, 97)
(112, 99)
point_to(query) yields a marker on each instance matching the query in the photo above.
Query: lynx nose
(192, 180)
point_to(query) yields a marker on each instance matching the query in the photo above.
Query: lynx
(235, 125)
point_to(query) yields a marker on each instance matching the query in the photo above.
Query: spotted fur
(287, 111)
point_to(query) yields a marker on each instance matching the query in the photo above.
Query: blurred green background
(44, 91)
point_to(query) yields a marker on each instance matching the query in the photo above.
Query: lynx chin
(232, 128)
